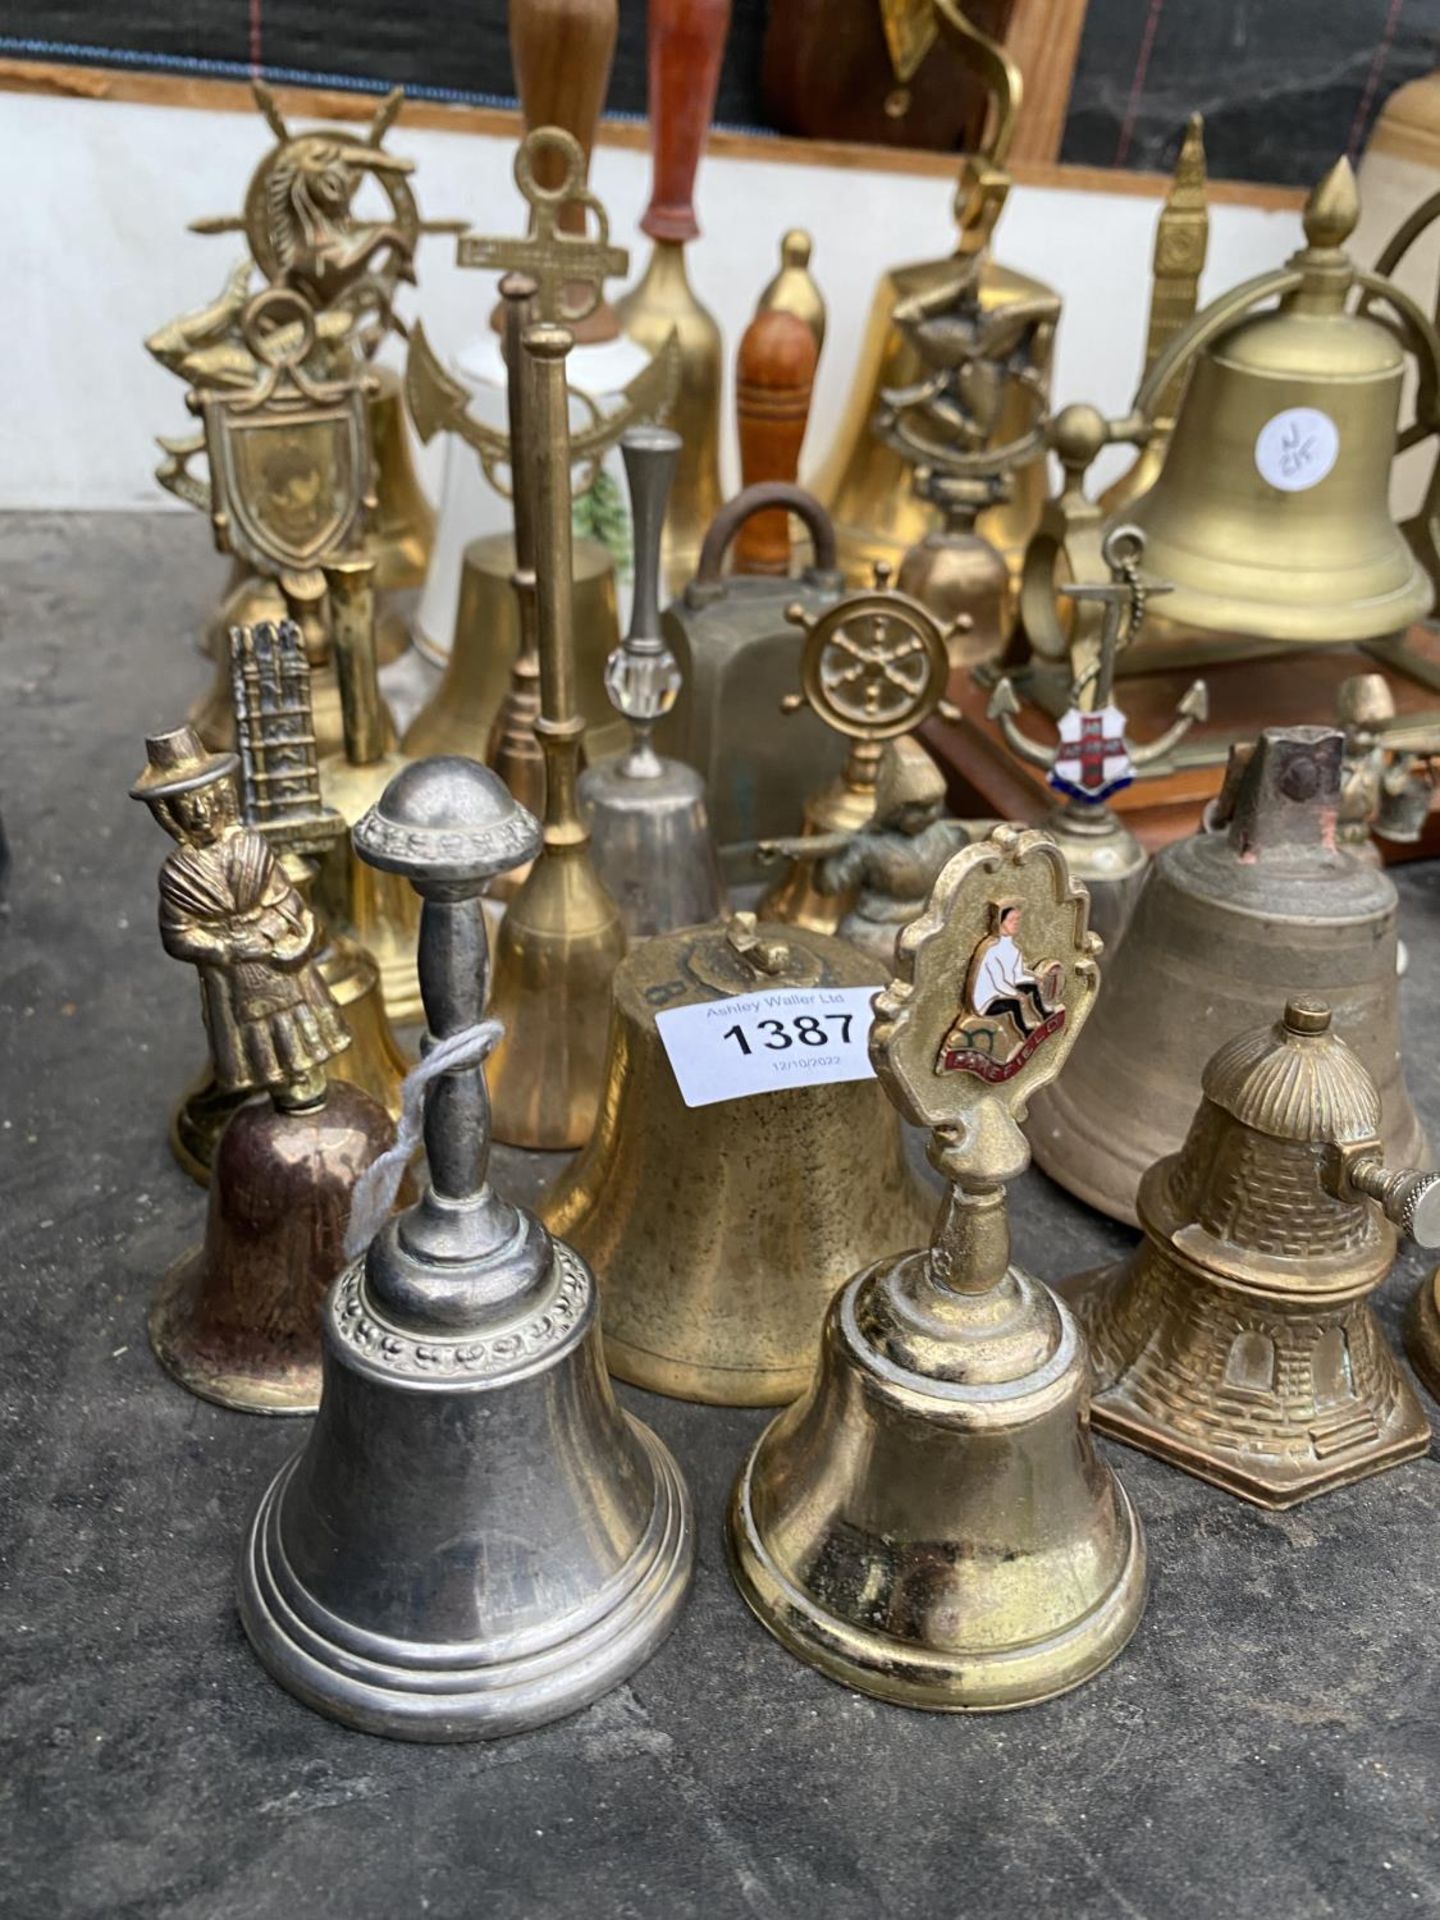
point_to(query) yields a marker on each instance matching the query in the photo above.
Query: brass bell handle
(1409, 1199)
(756, 499)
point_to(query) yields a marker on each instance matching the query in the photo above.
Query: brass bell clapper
(649, 830)
(721, 1231)
(237, 1320)
(874, 667)
(562, 936)
(1262, 902)
(931, 1523)
(1238, 1342)
(476, 1540)
(1095, 757)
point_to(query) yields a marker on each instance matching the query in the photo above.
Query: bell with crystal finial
(1238, 1342)
(476, 1539)
(649, 832)
(932, 1523)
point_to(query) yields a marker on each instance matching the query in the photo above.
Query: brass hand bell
(1238, 1341)
(931, 1523)
(476, 1539)
(237, 1320)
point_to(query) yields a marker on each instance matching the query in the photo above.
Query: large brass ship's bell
(1263, 902)
(932, 1523)
(721, 1232)
(476, 1539)
(1238, 1341)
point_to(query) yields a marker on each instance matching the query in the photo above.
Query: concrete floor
(1267, 1745)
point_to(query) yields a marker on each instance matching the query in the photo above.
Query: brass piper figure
(890, 864)
(227, 907)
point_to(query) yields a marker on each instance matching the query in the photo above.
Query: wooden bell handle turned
(561, 51)
(687, 45)
(774, 375)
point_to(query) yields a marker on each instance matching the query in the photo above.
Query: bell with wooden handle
(1271, 512)
(774, 377)
(1238, 1342)
(476, 1540)
(562, 936)
(686, 47)
(739, 656)
(237, 1319)
(874, 667)
(932, 1523)
(714, 1287)
(649, 830)
(864, 483)
(1262, 902)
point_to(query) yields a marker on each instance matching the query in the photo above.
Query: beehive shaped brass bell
(238, 1319)
(649, 826)
(1238, 1341)
(720, 1232)
(1270, 515)
(476, 1539)
(739, 657)
(1263, 903)
(931, 1523)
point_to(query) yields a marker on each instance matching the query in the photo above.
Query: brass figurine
(1263, 901)
(566, 272)
(864, 482)
(649, 830)
(720, 1233)
(562, 936)
(1238, 1342)
(1387, 780)
(738, 656)
(237, 1320)
(280, 797)
(1182, 238)
(932, 1523)
(888, 867)
(1094, 756)
(476, 1539)
(874, 666)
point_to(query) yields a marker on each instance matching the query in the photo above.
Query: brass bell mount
(649, 825)
(1238, 1341)
(931, 1522)
(476, 1540)
(567, 271)
(874, 666)
(237, 1319)
(562, 935)
(1094, 756)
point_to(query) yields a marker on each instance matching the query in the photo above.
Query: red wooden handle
(687, 45)
(774, 374)
(561, 52)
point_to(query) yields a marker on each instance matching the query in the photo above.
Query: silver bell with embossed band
(476, 1539)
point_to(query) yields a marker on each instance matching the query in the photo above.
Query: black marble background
(1285, 85)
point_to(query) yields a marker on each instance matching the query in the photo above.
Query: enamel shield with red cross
(1092, 760)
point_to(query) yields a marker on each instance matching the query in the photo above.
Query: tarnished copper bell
(1238, 1342)
(721, 1232)
(1263, 902)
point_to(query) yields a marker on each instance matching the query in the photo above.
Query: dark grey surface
(1266, 1746)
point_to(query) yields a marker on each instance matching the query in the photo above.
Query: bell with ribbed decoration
(932, 1523)
(1238, 1342)
(1263, 902)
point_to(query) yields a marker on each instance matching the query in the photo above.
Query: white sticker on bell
(1294, 450)
(766, 1042)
